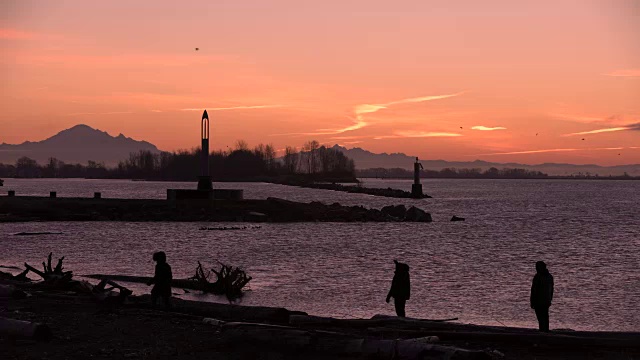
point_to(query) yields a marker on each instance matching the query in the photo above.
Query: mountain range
(365, 159)
(82, 143)
(78, 144)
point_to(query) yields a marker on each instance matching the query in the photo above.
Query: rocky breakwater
(28, 208)
(385, 192)
(284, 210)
(401, 213)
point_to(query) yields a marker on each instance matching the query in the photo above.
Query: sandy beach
(81, 327)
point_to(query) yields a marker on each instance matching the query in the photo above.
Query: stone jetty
(31, 208)
(355, 189)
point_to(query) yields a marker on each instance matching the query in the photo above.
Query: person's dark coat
(162, 280)
(541, 289)
(401, 283)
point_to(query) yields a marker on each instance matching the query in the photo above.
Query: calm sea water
(479, 270)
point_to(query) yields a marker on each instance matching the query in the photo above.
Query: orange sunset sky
(522, 81)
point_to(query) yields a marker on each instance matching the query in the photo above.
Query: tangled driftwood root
(56, 277)
(229, 281)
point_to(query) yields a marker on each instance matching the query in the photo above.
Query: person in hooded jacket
(161, 280)
(541, 295)
(400, 287)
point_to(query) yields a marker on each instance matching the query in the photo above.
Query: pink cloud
(13, 34)
(625, 73)
(484, 128)
(363, 109)
(114, 61)
(606, 130)
(548, 151)
(242, 107)
(416, 134)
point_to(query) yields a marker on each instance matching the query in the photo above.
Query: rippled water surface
(479, 270)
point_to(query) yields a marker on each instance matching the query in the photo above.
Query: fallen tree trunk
(230, 281)
(176, 283)
(24, 329)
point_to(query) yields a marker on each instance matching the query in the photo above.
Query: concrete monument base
(204, 183)
(416, 191)
(214, 194)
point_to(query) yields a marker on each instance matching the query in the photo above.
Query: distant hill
(78, 144)
(365, 159)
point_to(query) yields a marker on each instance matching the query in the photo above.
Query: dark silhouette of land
(312, 163)
(78, 144)
(365, 160)
(95, 149)
(478, 173)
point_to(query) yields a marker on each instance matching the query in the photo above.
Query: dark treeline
(476, 173)
(453, 173)
(312, 162)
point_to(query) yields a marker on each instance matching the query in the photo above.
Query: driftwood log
(10, 291)
(337, 344)
(24, 329)
(376, 321)
(230, 280)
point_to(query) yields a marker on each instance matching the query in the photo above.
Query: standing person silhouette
(541, 295)
(400, 287)
(162, 280)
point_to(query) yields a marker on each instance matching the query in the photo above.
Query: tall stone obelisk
(204, 180)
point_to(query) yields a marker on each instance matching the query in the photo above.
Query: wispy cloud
(13, 34)
(549, 151)
(421, 99)
(484, 128)
(606, 130)
(100, 113)
(363, 109)
(416, 134)
(111, 61)
(347, 137)
(242, 107)
(624, 73)
(612, 120)
(578, 118)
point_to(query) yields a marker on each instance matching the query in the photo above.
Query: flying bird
(536, 134)
(582, 138)
(460, 127)
(197, 49)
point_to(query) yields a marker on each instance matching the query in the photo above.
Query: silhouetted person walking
(162, 280)
(542, 294)
(400, 287)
